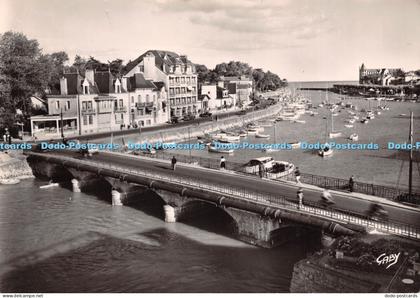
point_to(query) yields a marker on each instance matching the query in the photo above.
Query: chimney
(90, 76)
(149, 66)
(63, 86)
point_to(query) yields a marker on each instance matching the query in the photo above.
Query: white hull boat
(327, 151)
(335, 134)
(261, 136)
(349, 125)
(354, 137)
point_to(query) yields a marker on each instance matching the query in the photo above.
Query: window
(132, 99)
(89, 105)
(85, 89)
(188, 80)
(90, 119)
(154, 97)
(68, 105)
(57, 105)
(85, 120)
(84, 105)
(115, 104)
(121, 103)
(183, 80)
(147, 97)
(139, 98)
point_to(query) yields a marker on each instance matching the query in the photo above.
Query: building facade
(177, 74)
(239, 88)
(381, 76)
(99, 102)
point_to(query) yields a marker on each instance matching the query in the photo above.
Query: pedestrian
(351, 183)
(300, 198)
(173, 161)
(261, 170)
(297, 175)
(222, 163)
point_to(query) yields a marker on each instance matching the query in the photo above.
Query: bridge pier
(116, 198)
(170, 213)
(262, 231)
(76, 185)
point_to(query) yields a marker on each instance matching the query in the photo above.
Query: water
(383, 167)
(130, 250)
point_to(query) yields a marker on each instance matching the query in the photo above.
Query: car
(174, 119)
(188, 117)
(241, 112)
(205, 114)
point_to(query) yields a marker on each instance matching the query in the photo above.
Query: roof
(163, 59)
(203, 96)
(104, 81)
(159, 85)
(235, 78)
(263, 159)
(74, 83)
(137, 81)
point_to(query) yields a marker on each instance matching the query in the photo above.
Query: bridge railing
(387, 192)
(278, 201)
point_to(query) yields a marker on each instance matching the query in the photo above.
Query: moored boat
(326, 150)
(354, 137)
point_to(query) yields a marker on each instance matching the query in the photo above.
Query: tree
(24, 71)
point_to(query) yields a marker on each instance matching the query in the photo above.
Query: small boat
(261, 136)
(49, 185)
(252, 131)
(295, 145)
(403, 114)
(243, 133)
(335, 134)
(356, 117)
(349, 125)
(326, 151)
(364, 121)
(223, 147)
(299, 121)
(354, 137)
(351, 120)
(271, 168)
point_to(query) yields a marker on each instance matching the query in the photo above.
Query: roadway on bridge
(254, 184)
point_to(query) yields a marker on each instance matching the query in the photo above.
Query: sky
(300, 40)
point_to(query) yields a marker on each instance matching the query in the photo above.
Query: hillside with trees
(264, 81)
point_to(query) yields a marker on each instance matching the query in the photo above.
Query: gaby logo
(391, 259)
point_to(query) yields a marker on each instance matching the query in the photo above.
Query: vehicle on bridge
(377, 212)
(272, 168)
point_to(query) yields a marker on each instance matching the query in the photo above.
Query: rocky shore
(13, 167)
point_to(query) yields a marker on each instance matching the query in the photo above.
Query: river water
(132, 248)
(60, 241)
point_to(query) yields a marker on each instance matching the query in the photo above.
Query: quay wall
(311, 277)
(178, 134)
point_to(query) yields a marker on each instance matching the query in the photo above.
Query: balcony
(120, 109)
(88, 111)
(143, 105)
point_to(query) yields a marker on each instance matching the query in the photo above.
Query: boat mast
(410, 174)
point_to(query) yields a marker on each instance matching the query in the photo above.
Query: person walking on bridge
(300, 198)
(222, 163)
(297, 175)
(351, 183)
(173, 161)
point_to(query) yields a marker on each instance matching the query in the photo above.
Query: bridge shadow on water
(160, 261)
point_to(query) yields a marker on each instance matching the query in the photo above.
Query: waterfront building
(240, 88)
(213, 98)
(381, 76)
(148, 101)
(177, 74)
(99, 102)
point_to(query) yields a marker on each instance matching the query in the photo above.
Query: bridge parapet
(258, 202)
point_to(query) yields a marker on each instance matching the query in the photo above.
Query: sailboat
(275, 138)
(326, 149)
(334, 134)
